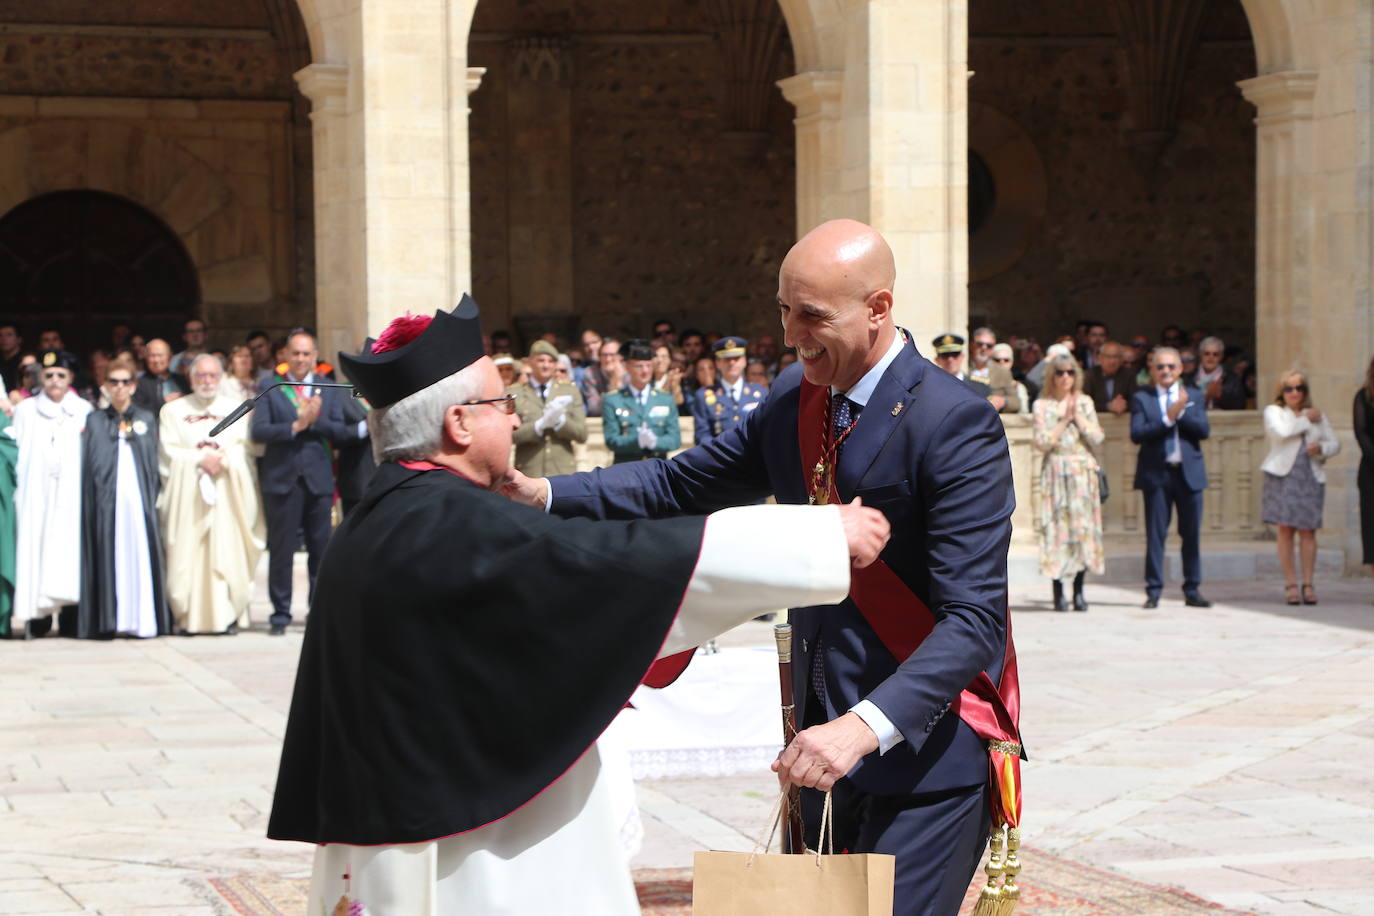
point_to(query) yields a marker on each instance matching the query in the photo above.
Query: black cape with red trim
(462, 652)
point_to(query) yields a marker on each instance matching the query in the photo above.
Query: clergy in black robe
(464, 653)
(121, 552)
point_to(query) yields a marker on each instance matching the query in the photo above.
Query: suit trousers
(288, 514)
(938, 839)
(1159, 505)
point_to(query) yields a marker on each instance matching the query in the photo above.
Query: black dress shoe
(277, 630)
(1150, 602)
(1196, 600)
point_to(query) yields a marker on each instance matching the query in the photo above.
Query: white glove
(555, 414)
(647, 440)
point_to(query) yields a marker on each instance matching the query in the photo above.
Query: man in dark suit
(1169, 422)
(866, 417)
(1109, 382)
(158, 384)
(296, 472)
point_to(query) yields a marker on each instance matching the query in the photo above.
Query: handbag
(760, 883)
(1103, 490)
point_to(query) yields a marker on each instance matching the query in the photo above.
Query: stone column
(391, 198)
(340, 307)
(1284, 223)
(885, 141)
(816, 96)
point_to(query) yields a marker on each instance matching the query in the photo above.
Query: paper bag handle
(827, 832)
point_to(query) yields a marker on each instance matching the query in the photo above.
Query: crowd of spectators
(274, 485)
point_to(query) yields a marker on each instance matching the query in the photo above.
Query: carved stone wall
(1138, 247)
(675, 211)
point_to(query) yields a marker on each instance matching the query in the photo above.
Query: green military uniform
(550, 452)
(622, 415)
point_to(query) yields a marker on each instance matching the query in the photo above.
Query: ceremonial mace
(782, 635)
(237, 413)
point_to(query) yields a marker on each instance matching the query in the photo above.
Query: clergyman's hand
(820, 755)
(532, 491)
(865, 530)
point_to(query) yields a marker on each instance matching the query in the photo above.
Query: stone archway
(226, 240)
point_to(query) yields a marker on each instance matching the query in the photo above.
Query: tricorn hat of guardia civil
(414, 352)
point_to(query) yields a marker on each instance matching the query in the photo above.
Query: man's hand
(820, 755)
(211, 462)
(1177, 407)
(1214, 390)
(866, 531)
(1118, 405)
(647, 440)
(532, 491)
(997, 401)
(307, 414)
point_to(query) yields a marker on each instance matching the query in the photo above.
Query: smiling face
(156, 356)
(301, 355)
(1165, 366)
(206, 374)
(119, 386)
(731, 368)
(641, 372)
(835, 300)
(542, 367)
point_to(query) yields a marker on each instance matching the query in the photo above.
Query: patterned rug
(1051, 886)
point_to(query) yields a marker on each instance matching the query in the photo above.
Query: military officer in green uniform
(552, 416)
(639, 420)
(725, 405)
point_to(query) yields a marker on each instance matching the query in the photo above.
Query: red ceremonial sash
(902, 621)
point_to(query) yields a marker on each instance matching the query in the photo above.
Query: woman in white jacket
(1300, 441)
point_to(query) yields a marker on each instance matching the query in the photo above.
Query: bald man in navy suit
(866, 417)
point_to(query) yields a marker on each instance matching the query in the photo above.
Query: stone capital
(815, 94)
(326, 86)
(1281, 97)
(475, 75)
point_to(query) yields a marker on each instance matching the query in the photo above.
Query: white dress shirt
(1167, 396)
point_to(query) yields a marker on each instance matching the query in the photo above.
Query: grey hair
(412, 429)
(1002, 349)
(1202, 344)
(191, 369)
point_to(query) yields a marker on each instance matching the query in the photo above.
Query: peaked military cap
(452, 341)
(637, 350)
(59, 359)
(729, 347)
(948, 343)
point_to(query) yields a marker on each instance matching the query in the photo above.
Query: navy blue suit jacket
(1149, 432)
(939, 469)
(306, 454)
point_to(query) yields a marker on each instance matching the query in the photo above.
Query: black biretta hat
(452, 341)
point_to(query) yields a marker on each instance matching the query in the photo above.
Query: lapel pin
(897, 409)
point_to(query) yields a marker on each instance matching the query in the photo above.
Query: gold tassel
(990, 898)
(1011, 891)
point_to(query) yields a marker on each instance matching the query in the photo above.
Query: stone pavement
(1223, 751)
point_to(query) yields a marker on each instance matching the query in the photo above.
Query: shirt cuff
(362, 429)
(874, 718)
(548, 495)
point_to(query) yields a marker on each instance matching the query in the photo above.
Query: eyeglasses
(1213, 353)
(1166, 367)
(1061, 372)
(985, 343)
(119, 381)
(55, 373)
(1001, 359)
(1190, 359)
(505, 403)
(1288, 388)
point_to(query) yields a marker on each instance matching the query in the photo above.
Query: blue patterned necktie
(844, 417)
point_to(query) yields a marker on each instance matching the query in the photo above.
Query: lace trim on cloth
(667, 763)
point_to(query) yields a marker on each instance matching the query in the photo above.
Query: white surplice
(47, 505)
(135, 599)
(212, 527)
(562, 852)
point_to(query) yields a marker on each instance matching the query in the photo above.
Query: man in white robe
(48, 428)
(212, 519)
(441, 748)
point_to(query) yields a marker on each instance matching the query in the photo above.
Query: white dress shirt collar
(863, 389)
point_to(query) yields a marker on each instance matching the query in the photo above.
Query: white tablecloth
(721, 717)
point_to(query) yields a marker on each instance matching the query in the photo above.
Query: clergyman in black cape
(121, 538)
(464, 653)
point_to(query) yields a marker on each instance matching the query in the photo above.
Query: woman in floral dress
(1070, 503)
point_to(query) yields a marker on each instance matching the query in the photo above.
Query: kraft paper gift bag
(761, 884)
